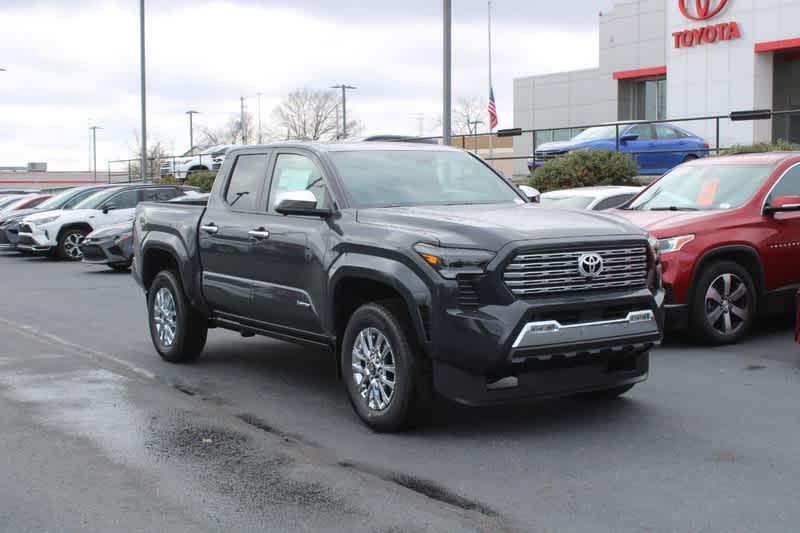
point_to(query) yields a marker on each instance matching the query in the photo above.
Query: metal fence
(127, 170)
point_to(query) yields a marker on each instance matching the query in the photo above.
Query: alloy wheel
(374, 369)
(727, 304)
(72, 245)
(165, 317)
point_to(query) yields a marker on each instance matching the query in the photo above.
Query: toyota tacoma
(419, 268)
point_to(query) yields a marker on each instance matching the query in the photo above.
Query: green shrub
(203, 179)
(167, 180)
(777, 146)
(583, 168)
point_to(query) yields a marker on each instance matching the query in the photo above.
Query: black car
(112, 246)
(418, 267)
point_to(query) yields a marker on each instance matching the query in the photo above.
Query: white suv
(209, 159)
(63, 231)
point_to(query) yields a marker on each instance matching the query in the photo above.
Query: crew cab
(418, 267)
(64, 230)
(729, 231)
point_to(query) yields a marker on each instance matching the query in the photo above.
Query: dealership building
(671, 60)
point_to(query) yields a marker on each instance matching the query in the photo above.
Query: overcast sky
(75, 62)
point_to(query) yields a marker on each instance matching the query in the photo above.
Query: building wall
(710, 79)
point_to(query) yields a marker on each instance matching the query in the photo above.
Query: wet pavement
(99, 434)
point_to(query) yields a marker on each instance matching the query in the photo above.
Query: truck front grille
(537, 273)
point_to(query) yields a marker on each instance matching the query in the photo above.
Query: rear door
(782, 249)
(226, 245)
(289, 258)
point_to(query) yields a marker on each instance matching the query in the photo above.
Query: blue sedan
(657, 148)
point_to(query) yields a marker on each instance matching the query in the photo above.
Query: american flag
(492, 110)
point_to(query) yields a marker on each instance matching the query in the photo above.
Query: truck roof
(350, 146)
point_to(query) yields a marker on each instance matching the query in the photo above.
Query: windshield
(575, 202)
(95, 200)
(383, 178)
(8, 201)
(703, 187)
(66, 199)
(599, 132)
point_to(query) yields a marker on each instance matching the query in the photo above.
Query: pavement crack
(427, 488)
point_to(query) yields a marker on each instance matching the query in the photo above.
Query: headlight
(674, 244)
(41, 221)
(122, 237)
(450, 262)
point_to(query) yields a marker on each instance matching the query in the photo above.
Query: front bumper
(8, 239)
(38, 239)
(546, 347)
(105, 251)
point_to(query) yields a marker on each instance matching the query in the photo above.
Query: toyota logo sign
(590, 265)
(703, 9)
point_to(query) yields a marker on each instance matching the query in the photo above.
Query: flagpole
(491, 134)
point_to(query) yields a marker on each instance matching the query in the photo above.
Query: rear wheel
(178, 331)
(69, 244)
(724, 303)
(386, 376)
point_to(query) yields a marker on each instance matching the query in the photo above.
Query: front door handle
(259, 233)
(210, 228)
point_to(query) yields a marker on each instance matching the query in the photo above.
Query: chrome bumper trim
(544, 333)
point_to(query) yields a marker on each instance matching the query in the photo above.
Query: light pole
(447, 75)
(241, 120)
(191, 128)
(94, 149)
(143, 91)
(344, 89)
(260, 138)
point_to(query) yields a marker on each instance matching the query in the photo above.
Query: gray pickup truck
(418, 267)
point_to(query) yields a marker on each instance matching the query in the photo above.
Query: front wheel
(724, 303)
(69, 244)
(387, 378)
(178, 331)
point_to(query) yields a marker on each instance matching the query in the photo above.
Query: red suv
(729, 235)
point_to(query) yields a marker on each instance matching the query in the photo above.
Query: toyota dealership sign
(704, 10)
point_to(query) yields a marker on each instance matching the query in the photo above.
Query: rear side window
(788, 186)
(249, 173)
(665, 132)
(124, 200)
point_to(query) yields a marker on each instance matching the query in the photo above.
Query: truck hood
(109, 231)
(663, 223)
(490, 227)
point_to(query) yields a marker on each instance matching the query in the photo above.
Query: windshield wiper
(674, 208)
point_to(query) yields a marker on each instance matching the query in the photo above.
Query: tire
(188, 326)
(606, 394)
(721, 317)
(120, 267)
(69, 244)
(404, 404)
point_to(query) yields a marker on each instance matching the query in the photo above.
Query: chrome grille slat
(556, 272)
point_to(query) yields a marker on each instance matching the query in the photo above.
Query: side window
(124, 200)
(789, 185)
(612, 202)
(248, 175)
(158, 195)
(296, 173)
(665, 132)
(644, 131)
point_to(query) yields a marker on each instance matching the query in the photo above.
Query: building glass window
(643, 99)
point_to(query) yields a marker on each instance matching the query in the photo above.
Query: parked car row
(94, 218)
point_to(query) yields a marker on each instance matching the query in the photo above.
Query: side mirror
(108, 207)
(531, 193)
(783, 204)
(301, 203)
(629, 137)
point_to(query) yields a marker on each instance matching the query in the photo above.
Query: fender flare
(709, 255)
(400, 277)
(187, 268)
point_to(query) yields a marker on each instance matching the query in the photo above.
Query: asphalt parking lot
(258, 434)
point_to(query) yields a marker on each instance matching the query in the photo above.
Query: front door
(226, 244)
(290, 255)
(116, 210)
(782, 249)
(643, 148)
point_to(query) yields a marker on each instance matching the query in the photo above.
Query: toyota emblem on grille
(590, 265)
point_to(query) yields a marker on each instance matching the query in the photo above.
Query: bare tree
(308, 114)
(468, 114)
(230, 133)
(156, 153)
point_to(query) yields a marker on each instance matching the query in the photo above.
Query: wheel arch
(743, 254)
(74, 225)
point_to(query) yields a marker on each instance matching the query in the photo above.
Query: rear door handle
(259, 233)
(210, 228)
